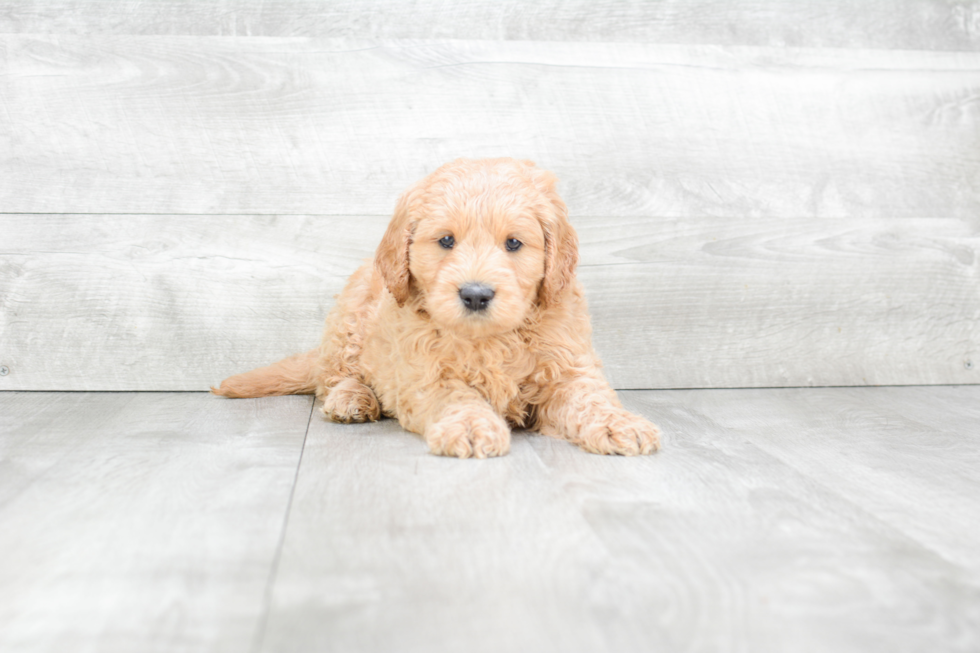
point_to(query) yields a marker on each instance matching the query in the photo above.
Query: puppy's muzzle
(476, 296)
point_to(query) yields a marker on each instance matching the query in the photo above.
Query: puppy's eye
(512, 244)
(447, 242)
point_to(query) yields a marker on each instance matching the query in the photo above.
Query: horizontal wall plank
(141, 522)
(790, 302)
(143, 124)
(166, 302)
(180, 302)
(898, 24)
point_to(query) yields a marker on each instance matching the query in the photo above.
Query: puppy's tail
(292, 376)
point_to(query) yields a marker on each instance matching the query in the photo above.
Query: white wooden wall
(768, 193)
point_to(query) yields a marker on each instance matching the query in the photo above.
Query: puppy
(468, 322)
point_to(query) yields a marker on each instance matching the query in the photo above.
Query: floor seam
(274, 572)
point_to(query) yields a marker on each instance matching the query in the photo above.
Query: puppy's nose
(476, 296)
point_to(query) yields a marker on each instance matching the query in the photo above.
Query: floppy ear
(560, 241)
(391, 257)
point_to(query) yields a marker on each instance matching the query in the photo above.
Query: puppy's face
(477, 244)
(478, 265)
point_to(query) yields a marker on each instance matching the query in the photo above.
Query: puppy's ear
(391, 257)
(560, 241)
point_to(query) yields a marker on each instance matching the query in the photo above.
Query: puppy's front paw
(351, 401)
(466, 431)
(617, 431)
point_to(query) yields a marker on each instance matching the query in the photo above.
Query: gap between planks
(273, 572)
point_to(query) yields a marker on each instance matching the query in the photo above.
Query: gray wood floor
(773, 520)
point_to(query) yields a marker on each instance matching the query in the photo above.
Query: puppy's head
(478, 243)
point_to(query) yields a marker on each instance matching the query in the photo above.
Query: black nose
(476, 296)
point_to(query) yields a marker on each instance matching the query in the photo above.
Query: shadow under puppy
(469, 321)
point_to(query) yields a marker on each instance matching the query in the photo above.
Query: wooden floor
(773, 520)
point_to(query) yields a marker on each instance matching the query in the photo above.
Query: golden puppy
(469, 321)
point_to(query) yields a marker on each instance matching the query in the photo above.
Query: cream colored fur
(401, 343)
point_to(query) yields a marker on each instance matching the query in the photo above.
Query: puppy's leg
(351, 401)
(466, 431)
(585, 410)
(458, 422)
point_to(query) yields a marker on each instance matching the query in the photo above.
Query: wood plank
(906, 455)
(144, 124)
(766, 556)
(916, 24)
(141, 522)
(712, 544)
(432, 554)
(166, 302)
(785, 302)
(180, 302)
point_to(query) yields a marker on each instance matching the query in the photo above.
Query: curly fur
(401, 343)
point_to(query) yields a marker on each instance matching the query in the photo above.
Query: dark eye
(512, 244)
(447, 242)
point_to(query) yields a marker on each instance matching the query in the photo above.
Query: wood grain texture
(885, 449)
(785, 302)
(890, 24)
(171, 124)
(180, 302)
(390, 548)
(141, 522)
(773, 520)
(720, 542)
(166, 302)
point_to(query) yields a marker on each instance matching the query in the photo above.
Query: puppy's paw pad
(469, 432)
(350, 401)
(619, 432)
